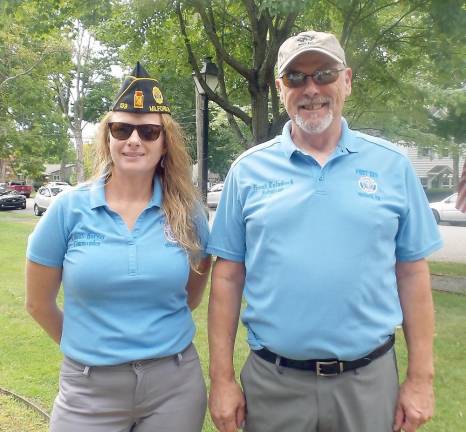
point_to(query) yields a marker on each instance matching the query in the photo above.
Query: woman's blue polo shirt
(320, 243)
(124, 291)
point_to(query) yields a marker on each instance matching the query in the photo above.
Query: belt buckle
(319, 364)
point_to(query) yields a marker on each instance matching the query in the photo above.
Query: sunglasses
(320, 77)
(147, 132)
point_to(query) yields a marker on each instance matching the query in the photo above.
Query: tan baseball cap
(309, 41)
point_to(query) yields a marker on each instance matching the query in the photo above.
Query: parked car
(58, 183)
(3, 187)
(21, 187)
(445, 211)
(213, 196)
(45, 196)
(10, 199)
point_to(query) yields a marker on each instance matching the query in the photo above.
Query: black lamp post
(209, 74)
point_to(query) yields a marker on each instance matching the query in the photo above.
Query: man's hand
(227, 405)
(415, 405)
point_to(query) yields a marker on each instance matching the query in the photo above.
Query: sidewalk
(454, 284)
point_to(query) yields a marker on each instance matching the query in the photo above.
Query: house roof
(51, 168)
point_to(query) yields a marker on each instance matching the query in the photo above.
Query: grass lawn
(29, 360)
(447, 268)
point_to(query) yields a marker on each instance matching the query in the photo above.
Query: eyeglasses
(320, 77)
(147, 132)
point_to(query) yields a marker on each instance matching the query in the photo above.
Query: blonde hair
(181, 201)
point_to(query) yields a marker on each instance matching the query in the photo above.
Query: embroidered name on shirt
(272, 186)
(86, 238)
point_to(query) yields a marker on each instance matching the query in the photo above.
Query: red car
(21, 187)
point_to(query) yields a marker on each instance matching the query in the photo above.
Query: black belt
(327, 367)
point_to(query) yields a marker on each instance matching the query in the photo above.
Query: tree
(29, 123)
(384, 40)
(84, 91)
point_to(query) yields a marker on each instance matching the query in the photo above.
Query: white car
(213, 196)
(445, 211)
(45, 195)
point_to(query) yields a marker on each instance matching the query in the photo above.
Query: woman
(128, 248)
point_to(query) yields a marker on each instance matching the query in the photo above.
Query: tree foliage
(407, 58)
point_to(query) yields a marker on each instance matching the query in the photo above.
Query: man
(461, 200)
(325, 230)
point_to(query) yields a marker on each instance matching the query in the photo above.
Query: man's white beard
(311, 127)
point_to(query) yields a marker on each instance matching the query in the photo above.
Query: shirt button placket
(132, 256)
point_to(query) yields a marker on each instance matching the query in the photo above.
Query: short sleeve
(418, 235)
(48, 242)
(227, 239)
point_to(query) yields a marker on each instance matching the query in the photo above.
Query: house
(53, 173)
(434, 170)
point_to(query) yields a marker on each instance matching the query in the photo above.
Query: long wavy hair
(180, 198)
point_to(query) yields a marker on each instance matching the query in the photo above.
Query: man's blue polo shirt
(124, 291)
(320, 243)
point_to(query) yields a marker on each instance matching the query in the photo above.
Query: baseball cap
(309, 41)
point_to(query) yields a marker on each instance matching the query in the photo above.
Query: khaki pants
(283, 399)
(163, 395)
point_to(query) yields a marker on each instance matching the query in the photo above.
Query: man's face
(312, 107)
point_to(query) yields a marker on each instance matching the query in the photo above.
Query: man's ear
(348, 81)
(278, 86)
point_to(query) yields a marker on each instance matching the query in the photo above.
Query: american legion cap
(309, 41)
(140, 94)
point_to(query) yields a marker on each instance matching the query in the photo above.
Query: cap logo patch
(138, 99)
(157, 95)
(305, 40)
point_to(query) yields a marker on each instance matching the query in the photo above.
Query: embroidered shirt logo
(169, 236)
(367, 184)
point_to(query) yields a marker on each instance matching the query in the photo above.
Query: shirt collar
(97, 194)
(346, 142)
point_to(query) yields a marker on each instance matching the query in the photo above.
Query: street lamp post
(209, 74)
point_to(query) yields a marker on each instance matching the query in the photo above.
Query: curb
(453, 284)
(26, 402)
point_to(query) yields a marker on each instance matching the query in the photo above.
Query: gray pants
(284, 399)
(160, 395)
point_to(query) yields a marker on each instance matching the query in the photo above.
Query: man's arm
(42, 286)
(226, 402)
(416, 397)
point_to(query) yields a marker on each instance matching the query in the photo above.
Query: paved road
(454, 248)
(454, 238)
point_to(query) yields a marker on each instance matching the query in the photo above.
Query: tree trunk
(78, 141)
(260, 112)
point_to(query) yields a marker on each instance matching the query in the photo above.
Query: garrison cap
(140, 94)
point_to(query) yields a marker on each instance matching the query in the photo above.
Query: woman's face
(133, 152)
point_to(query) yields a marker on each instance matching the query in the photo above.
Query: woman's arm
(42, 286)
(197, 282)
